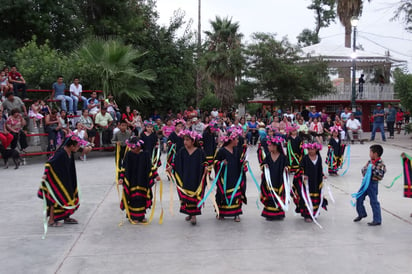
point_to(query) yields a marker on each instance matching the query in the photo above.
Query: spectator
(399, 120)
(128, 117)
(252, 134)
(354, 126)
(283, 125)
(155, 115)
(338, 123)
(305, 114)
(303, 129)
(58, 94)
(344, 116)
(5, 136)
(214, 113)
(358, 114)
(81, 132)
(316, 130)
(53, 129)
(44, 108)
(290, 115)
(190, 113)
(378, 119)
(13, 102)
(167, 130)
(15, 124)
(327, 125)
(323, 115)
(361, 82)
(390, 120)
(137, 123)
(88, 125)
(4, 84)
(93, 104)
(65, 124)
(34, 113)
(103, 122)
(112, 108)
(198, 126)
(18, 82)
(76, 94)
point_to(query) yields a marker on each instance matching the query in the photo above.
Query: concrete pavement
(99, 245)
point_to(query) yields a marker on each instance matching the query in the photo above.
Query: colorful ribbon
(212, 186)
(347, 158)
(364, 186)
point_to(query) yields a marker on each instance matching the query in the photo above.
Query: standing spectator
(103, 122)
(12, 102)
(378, 119)
(390, 120)
(53, 129)
(354, 126)
(76, 94)
(326, 127)
(198, 126)
(5, 136)
(58, 94)
(18, 82)
(15, 124)
(93, 104)
(290, 115)
(358, 114)
(399, 120)
(361, 82)
(214, 113)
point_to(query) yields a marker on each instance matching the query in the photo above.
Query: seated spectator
(13, 102)
(214, 113)
(283, 125)
(4, 84)
(53, 129)
(112, 108)
(44, 108)
(128, 118)
(155, 115)
(15, 124)
(87, 123)
(64, 122)
(76, 95)
(338, 123)
(5, 136)
(81, 132)
(34, 113)
(18, 82)
(313, 114)
(327, 125)
(58, 94)
(103, 122)
(93, 104)
(316, 130)
(354, 126)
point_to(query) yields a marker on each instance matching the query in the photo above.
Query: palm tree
(347, 9)
(110, 63)
(223, 58)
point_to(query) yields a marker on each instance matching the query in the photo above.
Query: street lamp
(354, 22)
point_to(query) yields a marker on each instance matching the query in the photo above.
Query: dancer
(59, 184)
(262, 150)
(407, 176)
(272, 187)
(190, 168)
(120, 138)
(209, 141)
(294, 148)
(231, 184)
(174, 142)
(336, 150)
(137, 177)
(373, 172)
(310, 179)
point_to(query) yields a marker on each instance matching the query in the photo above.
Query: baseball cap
(378, 105)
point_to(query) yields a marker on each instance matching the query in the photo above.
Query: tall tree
(403, 87)
(404, 13)
(347, 9)
(114, 71)
(272, 66)
(223, 58)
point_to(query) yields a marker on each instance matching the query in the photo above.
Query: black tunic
(174, 139)
(150, 142)
(190, 167)
(209, 143)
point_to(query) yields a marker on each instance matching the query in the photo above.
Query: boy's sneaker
(373, 224)
(357, 219)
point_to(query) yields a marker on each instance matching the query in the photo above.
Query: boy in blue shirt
(378, 171)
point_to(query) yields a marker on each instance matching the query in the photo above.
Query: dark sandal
(55, 224)
(193, 220)
(237, 219)
(71, 221)
(188, 218)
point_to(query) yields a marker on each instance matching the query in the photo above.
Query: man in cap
(378, 122)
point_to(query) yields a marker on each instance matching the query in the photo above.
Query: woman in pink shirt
(167, 129)
(15, 124)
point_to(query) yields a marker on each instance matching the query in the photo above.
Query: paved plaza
(99, 245)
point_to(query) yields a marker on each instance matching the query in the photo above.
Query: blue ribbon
(348, 159)
(235, 189)
(211, 188)
(365, 184)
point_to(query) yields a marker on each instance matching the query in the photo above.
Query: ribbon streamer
(212, 186)
(283, 205)
(308, 201)
(348, 160)
(364, 186)
(255, 181)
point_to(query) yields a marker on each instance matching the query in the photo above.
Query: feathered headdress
(179, 121)
(312, 146)
(134, 142)
(191, 134)
(231, 134)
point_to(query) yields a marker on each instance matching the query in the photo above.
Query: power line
(385, 47)
(385, 36)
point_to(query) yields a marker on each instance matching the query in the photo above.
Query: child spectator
(87, 123)
(34, 113)
(64, 122)
(44, 108)
(373, 172)
(93, 104)
(15, 124)
(86, 147)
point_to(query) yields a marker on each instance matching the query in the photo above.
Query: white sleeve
(72, 88)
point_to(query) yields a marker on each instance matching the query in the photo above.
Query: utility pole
(199, 52)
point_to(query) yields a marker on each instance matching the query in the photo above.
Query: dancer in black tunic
(276, 162)
(174, 142)
(59, 185)
(190, 169)
(294, 148)
(262, 150)
(209, 141)
(336, 149)
(232, 179)
(137, 177)
(310, 178)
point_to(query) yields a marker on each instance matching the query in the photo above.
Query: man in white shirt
(290, 115)
(76, 94)
(354, 126)
(214, 113)
(198, 126)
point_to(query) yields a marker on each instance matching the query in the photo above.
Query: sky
(376, 32)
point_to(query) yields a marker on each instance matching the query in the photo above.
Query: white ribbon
(308, 200)
(284, 206)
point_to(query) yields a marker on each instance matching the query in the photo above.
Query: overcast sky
(289, 17)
